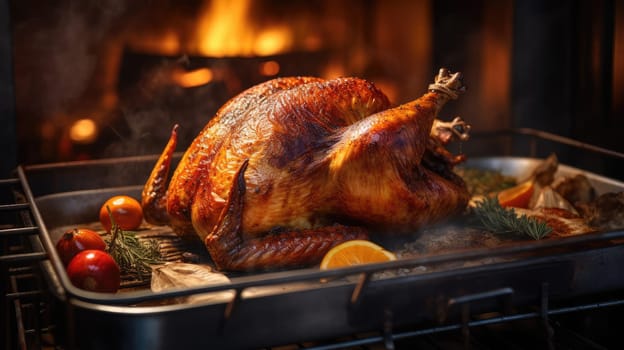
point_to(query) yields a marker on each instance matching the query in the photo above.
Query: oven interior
(101, 81)
(543, 292)
(84, 80)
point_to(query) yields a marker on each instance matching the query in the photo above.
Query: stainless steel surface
(532, 279)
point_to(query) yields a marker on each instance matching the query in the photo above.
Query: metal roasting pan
(428, 293)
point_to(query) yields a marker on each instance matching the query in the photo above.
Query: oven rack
(28, 306)
(28, 322)
(26, 317)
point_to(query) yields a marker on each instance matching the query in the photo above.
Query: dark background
(554, 66)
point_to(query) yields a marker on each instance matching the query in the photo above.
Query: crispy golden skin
(293, 166)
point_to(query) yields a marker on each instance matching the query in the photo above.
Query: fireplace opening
(106, 79)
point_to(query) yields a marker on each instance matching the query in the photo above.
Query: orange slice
(518, 196)
(355, 252)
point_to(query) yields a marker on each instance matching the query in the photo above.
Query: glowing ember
(269, 68)
(188, 79)
(83, 131)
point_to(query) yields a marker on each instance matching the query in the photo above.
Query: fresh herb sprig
(133, 256)
(501, 220)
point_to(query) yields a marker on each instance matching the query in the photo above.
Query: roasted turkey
(291, 167)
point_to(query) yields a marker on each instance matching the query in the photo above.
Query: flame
(272, 41)
(225, 29)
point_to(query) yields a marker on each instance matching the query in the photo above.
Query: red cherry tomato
(74, 241)
(126, 211)
(94, 270)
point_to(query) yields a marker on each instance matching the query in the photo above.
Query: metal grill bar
(21, 288)
(380, 339)
(20, 231)
(23, 257)
(10, 207)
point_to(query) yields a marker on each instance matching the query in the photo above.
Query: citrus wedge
(355, 252)
(518, 196)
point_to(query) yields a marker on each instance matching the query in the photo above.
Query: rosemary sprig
(497, 219)
(133, 256)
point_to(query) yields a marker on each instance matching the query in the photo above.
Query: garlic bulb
(549, 198)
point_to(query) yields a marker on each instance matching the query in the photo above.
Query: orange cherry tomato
(126, 211)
